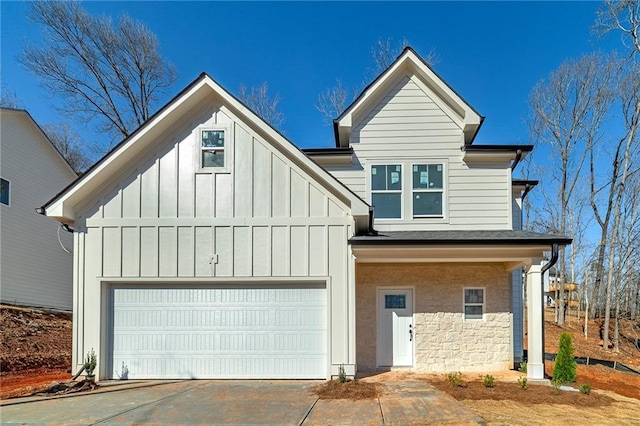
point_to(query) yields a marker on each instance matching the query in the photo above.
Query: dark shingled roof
(459, 238)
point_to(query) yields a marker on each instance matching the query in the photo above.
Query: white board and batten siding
(166, 223)
(409, 125)
(35, 270)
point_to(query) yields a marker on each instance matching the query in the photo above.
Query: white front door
(395, 327)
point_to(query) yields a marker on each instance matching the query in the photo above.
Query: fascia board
(447, 253)
(62, 207)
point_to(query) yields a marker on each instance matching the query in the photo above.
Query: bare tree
(623, 16)
(333, 101)
(385, 51)
(259, 100)
(111, 73)
(9, 98)
(68, 144)
(568, 111)
(629, 147)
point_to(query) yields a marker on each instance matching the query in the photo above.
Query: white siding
(265, 220)
(35, 270)
(411, 123)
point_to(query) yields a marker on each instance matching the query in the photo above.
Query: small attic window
(212, 146)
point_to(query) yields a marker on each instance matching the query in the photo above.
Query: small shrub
(523, 367)
(342, 377)
(488, 380)
(585, 388)
(564, 370)
(455, 379)
(556, 383)
(522, 382)
(90, 363)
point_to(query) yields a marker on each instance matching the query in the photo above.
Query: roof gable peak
(408, 62)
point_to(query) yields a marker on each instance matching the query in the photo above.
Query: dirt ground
(591, 346)
(35, 350)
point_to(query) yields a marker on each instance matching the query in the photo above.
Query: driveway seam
(381, 413)
(147, 404)
(301, 422)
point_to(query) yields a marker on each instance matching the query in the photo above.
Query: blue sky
(492, 53)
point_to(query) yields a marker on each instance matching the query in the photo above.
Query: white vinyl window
(473, 303)
(427, 190)
(212, 148)
(386, 191)
(5, 187)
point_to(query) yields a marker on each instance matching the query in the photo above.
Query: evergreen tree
(564, 370)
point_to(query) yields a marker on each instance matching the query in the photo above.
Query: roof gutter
(517, 160)
(527, 188)
(545, 268)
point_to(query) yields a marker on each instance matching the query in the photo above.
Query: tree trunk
(616, 327)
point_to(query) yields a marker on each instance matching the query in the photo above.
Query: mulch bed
(351, 389)
(534, 394)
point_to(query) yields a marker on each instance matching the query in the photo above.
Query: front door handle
(410, 333)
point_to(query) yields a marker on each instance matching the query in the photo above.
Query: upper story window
(212, 147)
(427, 190)
(386, 190)
(4, 191)
(408, 190)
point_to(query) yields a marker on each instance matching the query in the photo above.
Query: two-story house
(36, 259)
(208, 246)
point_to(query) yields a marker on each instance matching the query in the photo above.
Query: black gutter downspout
(517, 160)
(527, 189)
(371, 231)
(545, 268)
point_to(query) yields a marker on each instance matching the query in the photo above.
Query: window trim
(406, 208)
(427, 190)
(465, 304)
(228, 138)
(400, 191)
(8, 203)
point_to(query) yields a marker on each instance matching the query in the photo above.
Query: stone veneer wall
(443, 340)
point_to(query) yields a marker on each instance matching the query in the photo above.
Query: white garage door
(220, 332)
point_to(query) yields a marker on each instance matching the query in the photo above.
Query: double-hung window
(212, 147)
(473, 303)
(386, 190)
(4, 191)
(428, 190)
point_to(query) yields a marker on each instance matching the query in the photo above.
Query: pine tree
(564, 370)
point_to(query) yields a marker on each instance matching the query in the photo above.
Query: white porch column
(535, 318)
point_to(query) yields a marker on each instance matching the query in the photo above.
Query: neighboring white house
(208, 246)
(35, 269)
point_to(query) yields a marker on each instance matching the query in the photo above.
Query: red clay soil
(351, 389)
(591, 346)
(35, 349)
(33, 339)
(533, 394)
(605, 378)
(30, 381)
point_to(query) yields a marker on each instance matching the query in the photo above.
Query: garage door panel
(220, 332)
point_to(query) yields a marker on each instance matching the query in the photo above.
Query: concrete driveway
(238, 402)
